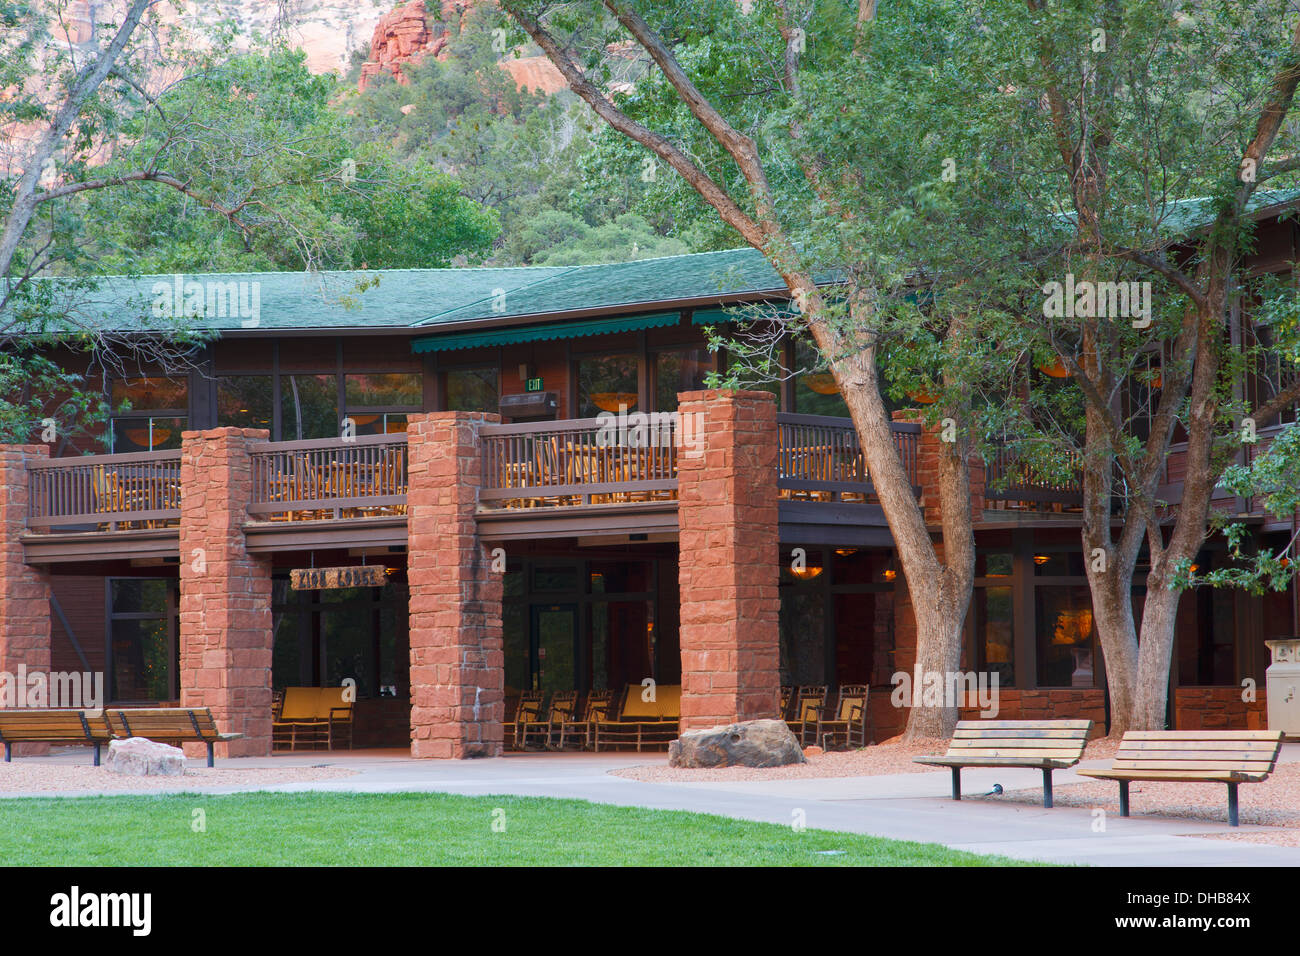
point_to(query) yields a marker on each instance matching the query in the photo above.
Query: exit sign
(533, 385)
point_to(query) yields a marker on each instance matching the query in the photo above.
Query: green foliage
(520, 153)
(258, 134)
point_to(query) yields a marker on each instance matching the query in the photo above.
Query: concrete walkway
(909, 806)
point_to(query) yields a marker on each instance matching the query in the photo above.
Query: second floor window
(149, 414)
(607, 383)
(472, 390)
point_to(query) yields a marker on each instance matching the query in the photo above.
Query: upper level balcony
(341, 491)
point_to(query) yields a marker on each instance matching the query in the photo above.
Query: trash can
(1283, 682)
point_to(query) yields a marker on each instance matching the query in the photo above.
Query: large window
(815, 391)
(607, 383)
(325, 637)
(679, 370)
(309, 407)
(472, 390)
(379, 402)
(245, 401)
(583, 625)
(993, 615)
(142, 640)
(149, 414)
(1066, 636)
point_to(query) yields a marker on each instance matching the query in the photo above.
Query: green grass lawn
(408, 829)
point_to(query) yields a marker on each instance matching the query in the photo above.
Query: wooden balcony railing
(537, 465)
(819, 458)
(1007, 477)
(105, 492)
(332, 478)
(578, 462)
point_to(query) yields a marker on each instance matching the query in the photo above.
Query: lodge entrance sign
(322, 579)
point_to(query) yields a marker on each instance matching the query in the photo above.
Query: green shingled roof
(432, 301)
(428, 300)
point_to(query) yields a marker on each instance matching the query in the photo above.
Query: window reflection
(815, 391)
(679, 370)
(244, 401)
(1064, 631)
(309, 407)
(472, 390)
(607, 383)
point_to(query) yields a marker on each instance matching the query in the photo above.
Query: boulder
(142, 757)
(752, 743)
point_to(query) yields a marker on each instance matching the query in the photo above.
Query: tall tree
(738, 77)
(1164, 119)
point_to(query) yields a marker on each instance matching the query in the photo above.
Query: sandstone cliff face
(410, 33)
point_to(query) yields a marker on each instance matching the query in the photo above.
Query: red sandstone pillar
(24, 590)
(457, 654)
(729, 558)
(225, 593)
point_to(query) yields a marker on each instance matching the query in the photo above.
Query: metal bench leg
(7, 754)
(209, 743)
(956, 783)
(1047, 789)
(97, 746)
(1232, 804)
(1123, 798)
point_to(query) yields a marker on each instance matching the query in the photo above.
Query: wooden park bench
(1193, 756)
(53, 727)
(1044, 745)
(642, 722)
(168, 725)
(312, 715)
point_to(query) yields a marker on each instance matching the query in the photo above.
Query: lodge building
(520, 552)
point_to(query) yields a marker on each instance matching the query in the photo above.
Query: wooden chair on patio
(848, 722)
(595, 710)
(527, 709)
(564, 706)
(809, 702)
(110, 497)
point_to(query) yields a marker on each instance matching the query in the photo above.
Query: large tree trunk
(1159, 615)
(1112, 608)
(940, 590)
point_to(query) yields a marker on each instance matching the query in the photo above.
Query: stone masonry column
(457, 653)
(225, 592)
(24, 590)
(729, 558)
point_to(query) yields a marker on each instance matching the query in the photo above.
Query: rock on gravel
(750, 743)
(141, 757)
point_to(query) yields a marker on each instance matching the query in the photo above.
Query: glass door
(553, 651)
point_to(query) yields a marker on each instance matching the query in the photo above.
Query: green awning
(538, 333)
(724, 316)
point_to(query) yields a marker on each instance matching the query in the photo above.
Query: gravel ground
(1273, 803)
(28, 776)
(892, 756)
